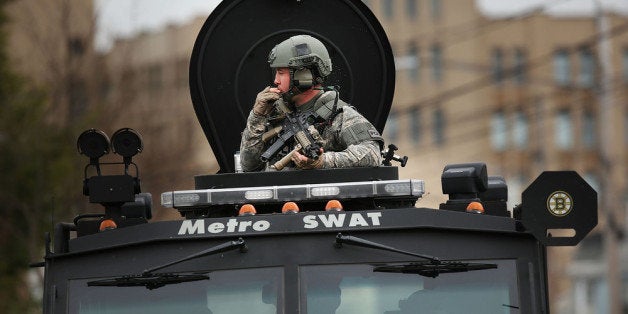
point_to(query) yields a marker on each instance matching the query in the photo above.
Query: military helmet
(301, 51)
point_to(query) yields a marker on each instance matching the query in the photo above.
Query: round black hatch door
(229, 63)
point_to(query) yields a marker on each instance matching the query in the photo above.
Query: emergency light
(303, 192)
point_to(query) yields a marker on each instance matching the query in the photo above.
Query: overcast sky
(123, 18)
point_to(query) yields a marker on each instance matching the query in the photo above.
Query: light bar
(286, 193)
(263, 194)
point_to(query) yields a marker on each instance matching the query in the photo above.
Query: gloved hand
(265, 99)
(303, 162)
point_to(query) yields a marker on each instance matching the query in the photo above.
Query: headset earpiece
(303, 79)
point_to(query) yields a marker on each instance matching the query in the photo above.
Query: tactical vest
(353, 134)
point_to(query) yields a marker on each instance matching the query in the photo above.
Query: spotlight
(93, 143)
(118, 193)
(463, 183)
(127, 142)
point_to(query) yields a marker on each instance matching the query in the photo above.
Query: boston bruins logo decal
(559, 203)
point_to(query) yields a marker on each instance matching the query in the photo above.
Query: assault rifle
(295, 125)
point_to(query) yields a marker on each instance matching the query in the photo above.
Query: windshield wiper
(152, 280)
(343, 239)
(227, 246)
(430, 268)
(433, 270)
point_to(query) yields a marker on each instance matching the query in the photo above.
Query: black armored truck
(347, 240)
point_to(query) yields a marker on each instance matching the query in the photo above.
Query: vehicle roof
(291, 224)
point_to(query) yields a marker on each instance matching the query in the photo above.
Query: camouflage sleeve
(251, 145)
(362, 150)
(365, 154)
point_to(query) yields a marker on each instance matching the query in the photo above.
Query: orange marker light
(290, 207)
(246, 210)
(475, 207)
(107, 224)
(333, 205)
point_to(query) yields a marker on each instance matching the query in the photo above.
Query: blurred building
(524, 94)
(52, 44)
(147, 89)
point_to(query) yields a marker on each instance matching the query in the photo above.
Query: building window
(436, 8)
(129, 81)
(520, 130)
(409, 62)
(563, 130)
(76, 45)
(589, 133)
(624, 65)
(499, 131)
(78, 97)
(182, 73)
(392, 127)
(498, 65)
(411, 9)
(154, 77)
(437, 63)
(520, 66)
(415, 124)
(586, 77)
(413, 63)
(439, 126)
(562, 67)
(105, 89)
(626, 126)
(388, 8)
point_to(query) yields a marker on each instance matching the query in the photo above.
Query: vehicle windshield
(232, 291)
(358, 289)
(341, 288)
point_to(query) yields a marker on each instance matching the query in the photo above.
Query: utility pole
(609, 199)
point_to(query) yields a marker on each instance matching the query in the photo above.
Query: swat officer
(301, 64)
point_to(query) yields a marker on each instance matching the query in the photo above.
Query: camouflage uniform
(350, 140)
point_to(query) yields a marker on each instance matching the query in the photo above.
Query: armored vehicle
(352, 240)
